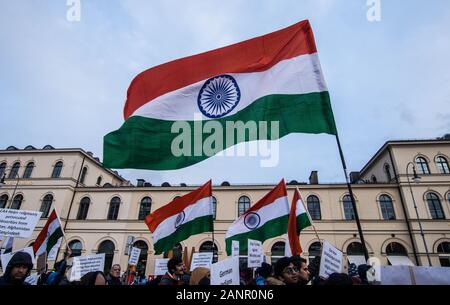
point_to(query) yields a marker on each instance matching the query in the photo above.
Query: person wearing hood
(17, 270)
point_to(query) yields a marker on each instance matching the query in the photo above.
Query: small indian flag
(49, 235)
(266, 219)
(298, 220)
(185, 216)
(276, 77)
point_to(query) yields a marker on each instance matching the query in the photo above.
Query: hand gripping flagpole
(350, 190)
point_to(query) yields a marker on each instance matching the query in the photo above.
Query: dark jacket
(115, 281)
(168, 280)
(20, 258)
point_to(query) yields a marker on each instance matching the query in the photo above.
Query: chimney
(354, 177)
(140, 182)
(313, 178)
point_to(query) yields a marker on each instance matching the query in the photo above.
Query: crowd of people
(286, 271)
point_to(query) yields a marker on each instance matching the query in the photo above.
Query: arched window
(314, 207)
(348, 208)
(277, 251)
(396, 249)
(14, 171)
(46, 204)
(28, 170)
(355, 248)
(177, 251)
(99, 180)
(444, 253)
(84, 208)
(3, 201)
(83, 175)
(214, 207)
(243, 205)
(145, 207)
(57, 169)
(442, 165)
(108, 248)
(435, 207)
(142, 261)
(114, 206)
(387, 207)
(314, 250)
(387, 170)
(76, 247)
(422, 165)
(17, 202)
(207, 246)
(2, 169)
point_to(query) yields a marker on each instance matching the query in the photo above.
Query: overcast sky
(64, 83)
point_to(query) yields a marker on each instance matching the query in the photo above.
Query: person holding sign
(17, 270)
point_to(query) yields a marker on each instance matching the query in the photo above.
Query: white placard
(255, 253)
(225, 272)
(84, 264)
(134, 256)
(331, 260)
(52, 254)
(6, 257)
(201, 259)
(161, 266)
(234, 248)
(18, 223)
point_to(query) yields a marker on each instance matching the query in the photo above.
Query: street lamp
(416, 179)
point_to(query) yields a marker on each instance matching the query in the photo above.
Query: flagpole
(352, 197)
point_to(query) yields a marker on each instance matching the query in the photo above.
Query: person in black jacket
(18, 268)
(113, 277)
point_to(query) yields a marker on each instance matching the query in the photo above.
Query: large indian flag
(185, 216)
(266, 219)
(273, 78)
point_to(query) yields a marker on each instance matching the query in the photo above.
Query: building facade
(101, 212)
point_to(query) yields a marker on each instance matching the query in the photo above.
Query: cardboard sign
(6, 257)
(18, 223)
(41, 263)
(331, 260)
(202, 259)
(161, 266)
(255, 253)
(84, 264)
(134, 256)
(234, 248)
(225, 272)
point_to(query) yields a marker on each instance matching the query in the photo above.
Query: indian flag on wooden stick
(272, 78)
(185, 216)
(266, 219)
(298, 220)
(49, 235)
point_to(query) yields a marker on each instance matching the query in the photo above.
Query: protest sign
(234, 248)
(202, 259)
(255, 253)
(331, 260)
(84, 264)
(161, 266)
(134, 256)
(18, 223)
(225, 272)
